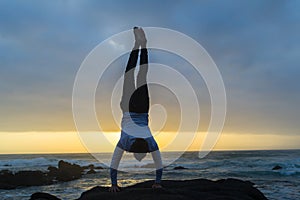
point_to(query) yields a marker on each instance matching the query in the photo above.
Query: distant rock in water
(277, 167)
(31, 178)
(6, 179)
(68, 172)
(53, 171)
(65, 172)
(91, 171)
(9, 180)
(179, 167)
(91, 166)
(229, 189)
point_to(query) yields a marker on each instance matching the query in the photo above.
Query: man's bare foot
(114, 188)
(156, 185)
(136, 32)
(142, 37)
(139, 36)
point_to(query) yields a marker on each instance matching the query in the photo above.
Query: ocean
(255, 166)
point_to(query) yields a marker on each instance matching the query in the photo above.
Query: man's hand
(114, 188)
(156, 185)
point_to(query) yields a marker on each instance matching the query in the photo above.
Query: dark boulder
(52, 171)
(277, 167)
(8, 180)
(30, 178)
(68, 172)
(91, 166)
(65, 172)
(43, 196)
(224, 189)
(91, 171)
(179, 167)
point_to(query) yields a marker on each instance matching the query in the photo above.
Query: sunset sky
(255, 44)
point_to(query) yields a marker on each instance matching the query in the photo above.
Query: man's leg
(142, 94)
(129, 85)
(142, 75)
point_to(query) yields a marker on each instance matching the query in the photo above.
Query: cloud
(255, 44)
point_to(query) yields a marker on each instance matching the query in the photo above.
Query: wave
(218, 163)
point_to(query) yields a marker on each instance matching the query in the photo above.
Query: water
(255, 166)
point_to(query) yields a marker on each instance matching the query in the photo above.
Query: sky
(255, 44)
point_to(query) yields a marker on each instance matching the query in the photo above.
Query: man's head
(140, 145)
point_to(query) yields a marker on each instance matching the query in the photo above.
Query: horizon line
(214, 150)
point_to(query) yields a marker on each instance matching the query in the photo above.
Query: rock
(68, 172)
(52, 171)
(30, 178)
(64, 172)
(91, 166)
(62, 165)
(8, 180)
(224, 189)
(91, 171)
(99, 167)
(6, 175)
(85, 167)
(43, 196)
(179, 167)
(277, 167)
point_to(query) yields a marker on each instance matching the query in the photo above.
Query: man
(136, 136)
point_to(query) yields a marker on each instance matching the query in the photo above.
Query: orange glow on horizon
(69, 142)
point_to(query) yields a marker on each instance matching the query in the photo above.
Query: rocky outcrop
(229, 189)
(64, 172)
(68, 172)
(9, 180)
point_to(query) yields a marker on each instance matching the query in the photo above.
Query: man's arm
(159, 168)
(115, 161)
